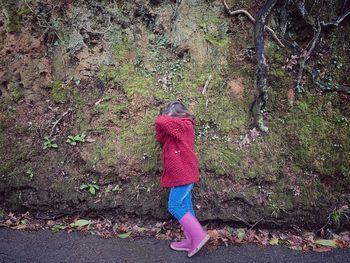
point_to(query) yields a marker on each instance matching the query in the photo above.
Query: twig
(204, 92)
(58, 120)
(49, 27)
(173, 17)
(308, 53)
(337, 21)
(241, 219)
(206, 84)
(29, 6)
(257, 222)
(252, 19)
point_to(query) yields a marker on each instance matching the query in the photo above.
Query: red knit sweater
(180, 164)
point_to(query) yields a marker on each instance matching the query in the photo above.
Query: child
(174, 129)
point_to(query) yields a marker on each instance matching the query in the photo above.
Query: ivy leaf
(125, 235)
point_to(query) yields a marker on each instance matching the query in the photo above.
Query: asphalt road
(47, 247)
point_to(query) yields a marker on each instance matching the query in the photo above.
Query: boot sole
(200, 245)
(179, 249)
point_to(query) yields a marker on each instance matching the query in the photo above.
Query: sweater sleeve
(170, 126)
(160, 135)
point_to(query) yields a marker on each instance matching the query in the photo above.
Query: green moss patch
(318, 146)
(59, 95)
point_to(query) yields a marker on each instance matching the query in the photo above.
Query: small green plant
(49, 143)
(163, 41)
(29, 172)
(72, 140)
(339, 214)
(90, 187)
(276, 209)
(111, 188)
(336, 63)
(56, 228)
(117, 189)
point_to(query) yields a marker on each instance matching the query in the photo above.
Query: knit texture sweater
(180, 164)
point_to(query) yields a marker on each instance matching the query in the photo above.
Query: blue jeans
(180, 201)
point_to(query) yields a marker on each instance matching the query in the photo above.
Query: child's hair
(176, 109)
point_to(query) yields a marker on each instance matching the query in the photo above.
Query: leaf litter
(169, 230)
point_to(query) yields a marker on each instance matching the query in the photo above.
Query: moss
(217, 158)
(121, 44)
(59, 95)
(17, 93)
(132, 81)
(226, 113)
(7, 166)
(319, 148)
(23, 11)
(139, 142)
(14, 11)
(218, 39)
(12, 17)
(274, 53)
(82, 124)
(111, 107)
(104, 151)
(276, 60)
(120, 50)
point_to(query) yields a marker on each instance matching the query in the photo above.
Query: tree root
(324, 86)
(262, 68)
(251, 18)
(337, 21)
(306, 55)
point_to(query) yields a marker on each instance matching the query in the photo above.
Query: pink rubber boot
(183, 245)
(197, 234)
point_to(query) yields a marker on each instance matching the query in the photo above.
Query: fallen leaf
(274, 241)
(125, 235)
(80, 223)
(241, 234)
(326, 242)
(341, 243)
(322, 249)
(294, 240)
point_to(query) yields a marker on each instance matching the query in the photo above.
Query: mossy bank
(100, 72)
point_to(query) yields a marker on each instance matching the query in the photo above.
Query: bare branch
(252, 19)
(337, 21)
(306, 56)
(206, 84)
(173, 17)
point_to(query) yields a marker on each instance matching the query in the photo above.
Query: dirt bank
(100, 70)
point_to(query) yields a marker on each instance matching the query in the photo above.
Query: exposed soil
(103, 68)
